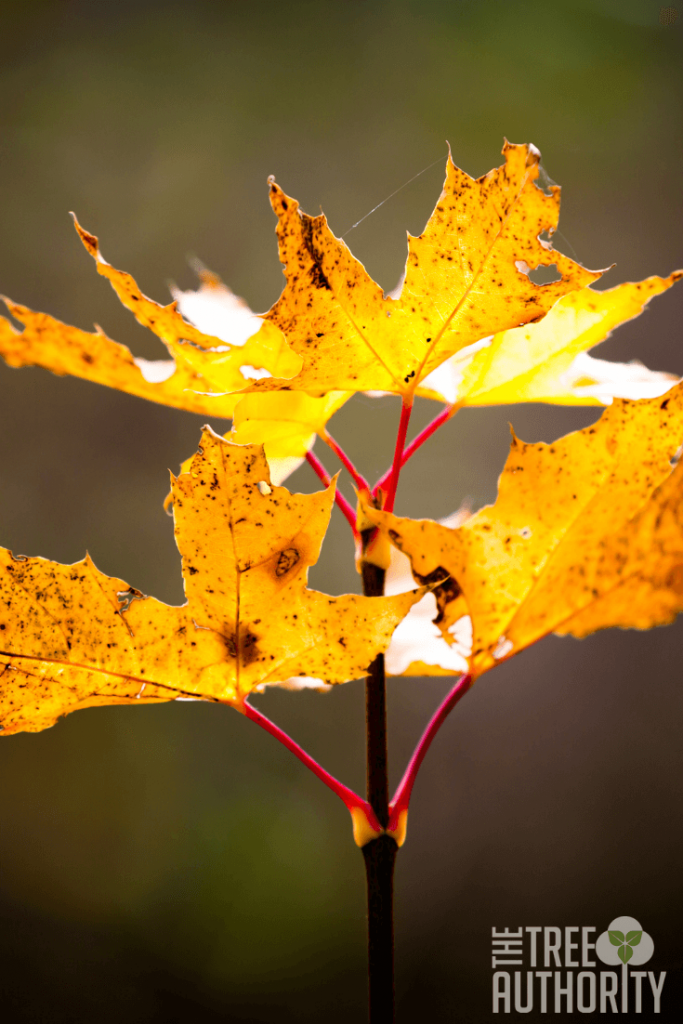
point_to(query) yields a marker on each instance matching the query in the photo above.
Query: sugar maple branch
(352, 801)
(398, 808)
(345, 506)
(358, 478)
(417, 442)
(406, 411)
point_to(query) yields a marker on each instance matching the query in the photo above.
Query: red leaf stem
(406, 410)
(418, 441)
(358, 478)
(401, 798)
(348, 797)
(345, 506)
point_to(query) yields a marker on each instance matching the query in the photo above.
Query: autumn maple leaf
(72, 637)
(586, 533)
(467, 276)
(466, 279)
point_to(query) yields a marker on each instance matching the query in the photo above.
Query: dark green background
(174, 864)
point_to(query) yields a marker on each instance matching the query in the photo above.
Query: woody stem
(380, 853)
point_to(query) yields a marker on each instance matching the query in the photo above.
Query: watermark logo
(547, 949)
(625, 942)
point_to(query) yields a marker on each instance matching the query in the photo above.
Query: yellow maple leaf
(644, 561)
(214, 356)
(218, 345)
(556, 543)
(547, 361)
(467, 276)
(204, 370)
(64, 350)
(72, 637)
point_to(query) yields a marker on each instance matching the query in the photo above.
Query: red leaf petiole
(358, 478)
(395, 472)
(398, 808)
(431, 428)
(365, 823)
(366, 827)
(345, 506)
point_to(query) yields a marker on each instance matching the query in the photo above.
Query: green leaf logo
(625, 952)
(624, 943)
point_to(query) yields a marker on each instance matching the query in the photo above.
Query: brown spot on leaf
(287, 560)
(317, 273)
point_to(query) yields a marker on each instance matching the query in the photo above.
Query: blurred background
(174, 863)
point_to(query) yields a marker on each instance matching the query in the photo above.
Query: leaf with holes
(586, 533)
(467, 277)
(72, 637)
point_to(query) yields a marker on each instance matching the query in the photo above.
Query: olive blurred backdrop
(173, 863)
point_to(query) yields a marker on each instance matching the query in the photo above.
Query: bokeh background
(173, 863)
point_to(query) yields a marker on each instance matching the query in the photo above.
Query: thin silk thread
(405, 184)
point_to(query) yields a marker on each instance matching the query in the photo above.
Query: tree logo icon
(625, 942)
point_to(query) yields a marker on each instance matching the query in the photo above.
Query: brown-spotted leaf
(467, 276)
(71, 637)
(204, 370)
(579, 528)
(638, 575)
(219, 359)
(66, 350)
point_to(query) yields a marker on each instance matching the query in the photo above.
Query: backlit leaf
(585, 534)
(67, 350)
(547, 361)
(203, 371)
(71, 637)
(467, 276)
